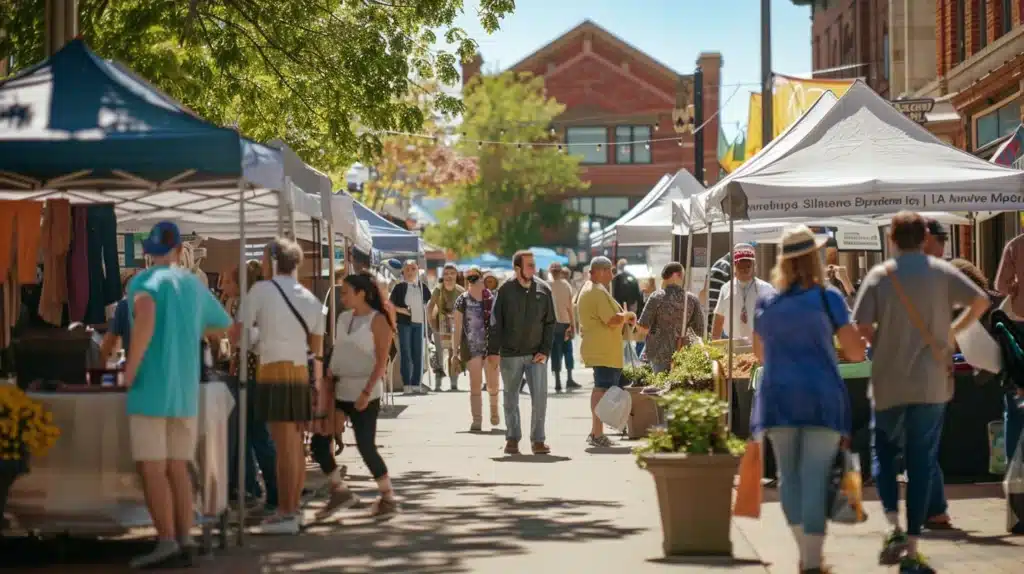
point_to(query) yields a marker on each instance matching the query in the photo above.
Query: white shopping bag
(629, 356)
(614, 407)
(980, 349)
(1013, 487)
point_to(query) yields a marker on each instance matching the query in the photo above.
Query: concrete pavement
(469, 508)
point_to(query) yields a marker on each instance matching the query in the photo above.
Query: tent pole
(688, 278)
(732, 310)
(243, 365)
(707, 281)
(332, 277)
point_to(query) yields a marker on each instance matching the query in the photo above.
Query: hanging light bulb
(552, 132)
(502, 132)
(598, 147)
(479, 145)
(679, 142)
(559, 149)
(519, 147)
(647, 145)
(655, 127)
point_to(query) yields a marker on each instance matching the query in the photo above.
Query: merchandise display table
(88, 485)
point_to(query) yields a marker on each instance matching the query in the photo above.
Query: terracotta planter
(10, 470)
(695, 498)
(643, 415)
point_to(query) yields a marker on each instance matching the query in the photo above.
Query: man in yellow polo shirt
(601, 320)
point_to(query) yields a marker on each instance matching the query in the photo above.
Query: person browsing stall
(746, 289)
(171, 312)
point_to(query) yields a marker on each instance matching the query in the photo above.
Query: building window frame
(599, 146)
(988, 111)
(961, 30)
(635, 146)
(886, 59)
(1007, 17)
(981, 6)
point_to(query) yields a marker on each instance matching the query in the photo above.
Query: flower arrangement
(694, 425)
(26, 427)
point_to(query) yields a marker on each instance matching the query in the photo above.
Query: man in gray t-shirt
(904, 308)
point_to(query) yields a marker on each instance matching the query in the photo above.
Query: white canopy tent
(861, 155)
(600, 236)
(653, 225)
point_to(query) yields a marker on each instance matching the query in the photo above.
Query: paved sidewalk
(469, 508)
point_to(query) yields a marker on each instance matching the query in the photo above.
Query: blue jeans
(914, 430)
(261, 455)
(513, 369)
(1013, 422)
(561, 349)
(804, 457)
(410, 347)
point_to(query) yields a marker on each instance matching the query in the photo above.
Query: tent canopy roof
(860, 155)
(653, 226)
(388, 238)
(598, 237)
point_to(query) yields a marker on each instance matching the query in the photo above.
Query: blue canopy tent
(388, 238)
(545, 256)
(486, 261)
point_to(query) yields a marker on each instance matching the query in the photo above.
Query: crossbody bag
(941, 353)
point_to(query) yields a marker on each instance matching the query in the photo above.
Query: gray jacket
(522, 320)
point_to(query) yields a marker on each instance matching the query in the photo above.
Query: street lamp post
(698, 119)
(767, 129)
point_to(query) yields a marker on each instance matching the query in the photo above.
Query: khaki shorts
(162, 438)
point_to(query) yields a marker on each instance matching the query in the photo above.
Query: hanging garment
(19, 238)
(104, 269)
(78, 264)
(55, 244)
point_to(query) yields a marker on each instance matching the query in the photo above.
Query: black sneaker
(915, 565)
(893, 548)
(572, 385)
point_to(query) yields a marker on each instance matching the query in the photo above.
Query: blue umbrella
(545, 256)
(485, 261)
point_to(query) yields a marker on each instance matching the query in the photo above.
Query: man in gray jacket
(522, 329)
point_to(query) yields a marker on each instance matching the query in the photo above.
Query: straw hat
(800, 240)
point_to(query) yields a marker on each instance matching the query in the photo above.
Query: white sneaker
(280, 525)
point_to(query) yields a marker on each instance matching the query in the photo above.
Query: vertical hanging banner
(794, 96)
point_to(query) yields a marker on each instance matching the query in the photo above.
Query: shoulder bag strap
(295, 311)
(939, 352)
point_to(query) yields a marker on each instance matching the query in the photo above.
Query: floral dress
(475, 316)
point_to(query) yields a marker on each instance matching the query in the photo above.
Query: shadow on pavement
(534, 458)
(707, 562)
(609, 450)
(429, 537)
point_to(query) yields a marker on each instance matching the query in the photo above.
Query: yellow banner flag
(794, 96)
(791, 98)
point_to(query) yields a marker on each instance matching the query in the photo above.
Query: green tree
(326, 76)
(518, 193)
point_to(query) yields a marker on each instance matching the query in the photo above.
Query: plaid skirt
(281, 393)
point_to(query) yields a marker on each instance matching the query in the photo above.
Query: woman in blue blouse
(802, 403)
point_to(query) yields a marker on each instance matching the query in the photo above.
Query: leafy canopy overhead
(517, 197)
(324, 75)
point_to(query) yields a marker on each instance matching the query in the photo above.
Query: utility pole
(61, 24)
(698, 119)
(766, 73)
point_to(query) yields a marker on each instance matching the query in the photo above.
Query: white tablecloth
(88, 484)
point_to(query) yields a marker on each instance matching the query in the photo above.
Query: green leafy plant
(692, 368)
(695, 424)
(639, 376)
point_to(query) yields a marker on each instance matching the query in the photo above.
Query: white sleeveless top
(354, 356)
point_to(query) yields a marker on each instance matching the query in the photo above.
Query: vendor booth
(857, 157)
(89, 145)
(388, 238)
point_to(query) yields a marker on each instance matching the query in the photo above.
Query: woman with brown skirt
(288, 324)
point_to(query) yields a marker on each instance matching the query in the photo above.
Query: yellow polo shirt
(602, 345)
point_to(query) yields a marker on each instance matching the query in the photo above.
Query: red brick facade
(605, 82)
(851, 33)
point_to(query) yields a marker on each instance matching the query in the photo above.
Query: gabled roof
(588, 26)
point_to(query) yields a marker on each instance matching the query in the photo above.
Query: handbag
(941, 353)
(748, 490)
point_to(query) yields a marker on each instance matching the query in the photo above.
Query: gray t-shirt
(904, 370)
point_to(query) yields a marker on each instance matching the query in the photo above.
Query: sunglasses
(472, 278)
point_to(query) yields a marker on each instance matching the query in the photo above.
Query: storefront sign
(914, 109)
(858, 238)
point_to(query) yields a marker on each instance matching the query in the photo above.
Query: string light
(598, 147)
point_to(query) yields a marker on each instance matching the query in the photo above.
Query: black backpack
(1008, 334)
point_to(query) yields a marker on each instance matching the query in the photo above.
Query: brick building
(614, 92)
(852, 35)
(979, 68)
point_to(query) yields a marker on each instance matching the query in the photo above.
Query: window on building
(589, 143)
(817, 51)
(1007, 18)
(996, 124)
(982, 11)
(631, 144)
(961, 30)
(886, 61)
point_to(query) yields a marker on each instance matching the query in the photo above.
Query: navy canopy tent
(388, 238)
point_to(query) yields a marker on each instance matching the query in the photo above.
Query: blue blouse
(801, 385)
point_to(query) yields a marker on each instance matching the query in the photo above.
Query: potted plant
(26, 430)
(693, 459)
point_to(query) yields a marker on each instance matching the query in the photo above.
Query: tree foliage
(324, 75)
(518, 193)
(410, 164)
